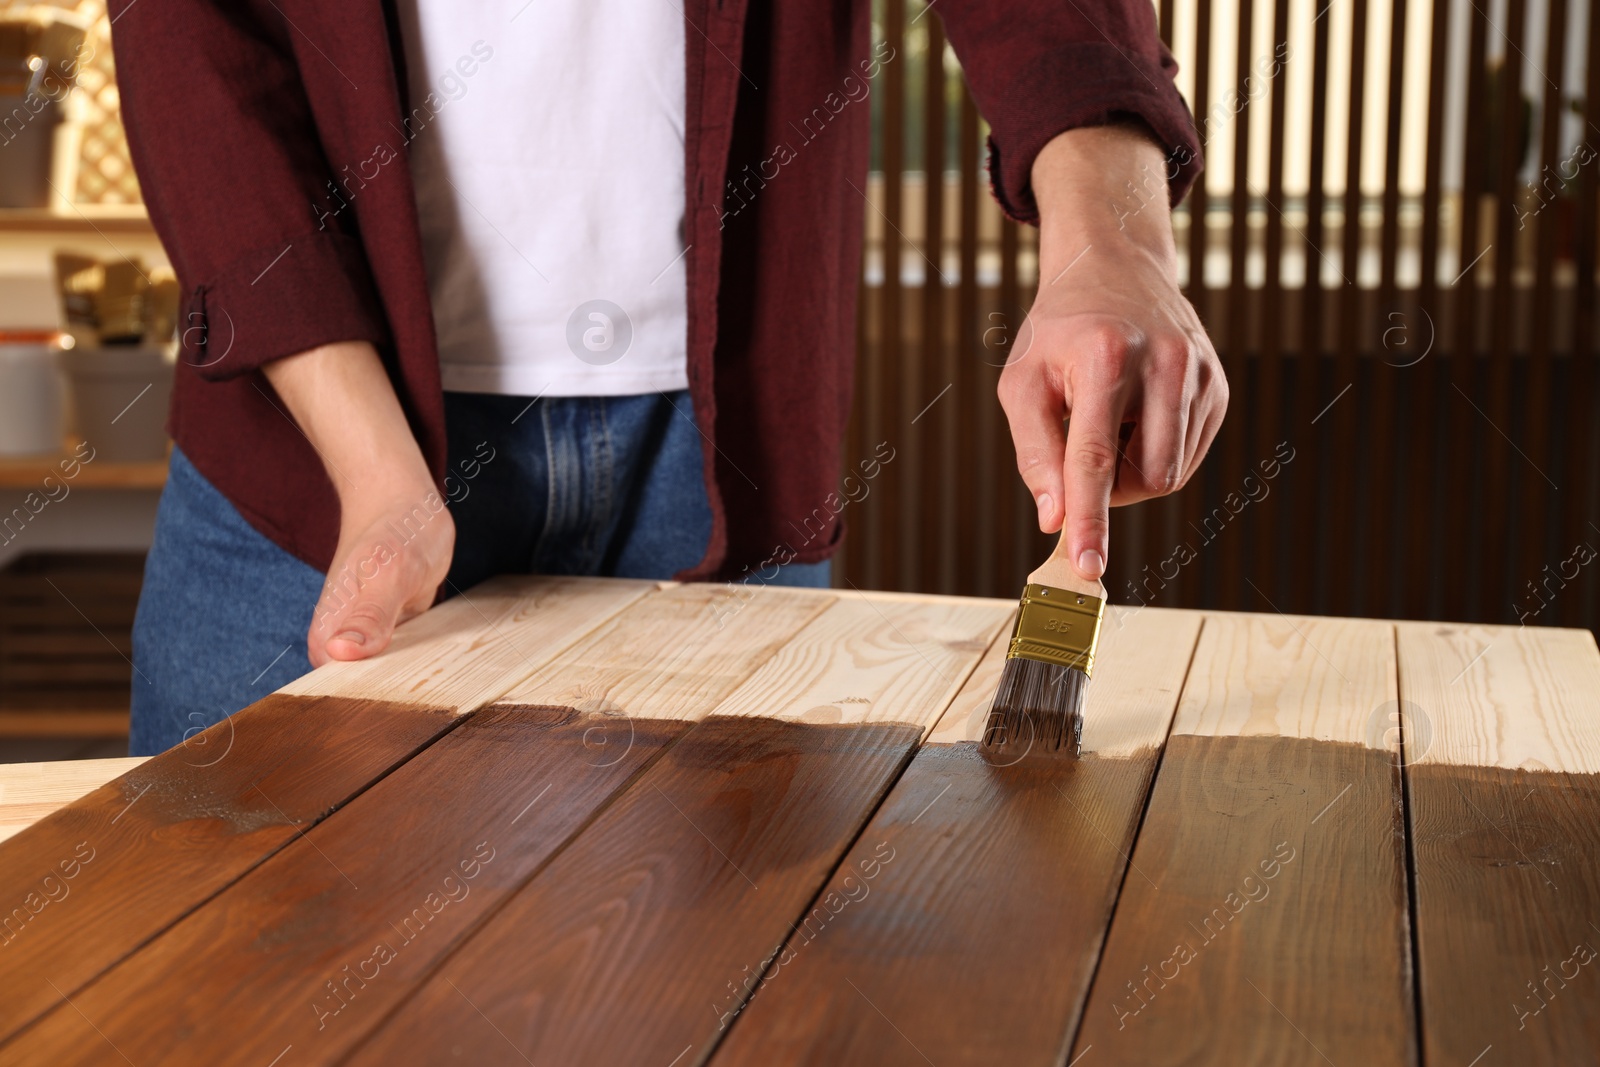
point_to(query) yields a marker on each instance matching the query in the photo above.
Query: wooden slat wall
(1440, 398)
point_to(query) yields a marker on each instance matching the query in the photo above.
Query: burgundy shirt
(247, 119)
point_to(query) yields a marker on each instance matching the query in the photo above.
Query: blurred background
(1393, 248)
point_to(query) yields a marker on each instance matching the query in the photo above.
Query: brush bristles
(1038, 706)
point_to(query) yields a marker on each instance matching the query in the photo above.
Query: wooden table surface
(613, 822)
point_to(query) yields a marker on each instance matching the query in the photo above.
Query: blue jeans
(561, 485)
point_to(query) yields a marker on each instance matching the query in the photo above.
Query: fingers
(1089, 468)
(1205, 419)
(1156, 457)
(1034, 410)
(367, 594)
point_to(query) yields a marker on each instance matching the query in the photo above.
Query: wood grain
(871, 659)
(693, 878)
(1501, 696)
(30, 791)
(149, 847)
(1269, 882)
(673, 654)
(1501, 730)
(521, 779)
(314, 947)
(472, 648)
(953, 870)
(1289, 676)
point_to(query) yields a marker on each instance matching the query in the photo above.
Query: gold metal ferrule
(1057, 626)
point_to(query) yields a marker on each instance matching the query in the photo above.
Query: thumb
(355, 618)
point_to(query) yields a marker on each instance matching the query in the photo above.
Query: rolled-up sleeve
(1038, 68)
(237, 184)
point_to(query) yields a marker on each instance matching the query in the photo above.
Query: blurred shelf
(66, 638)
(30, 473)
(85, 218)
(59, 722)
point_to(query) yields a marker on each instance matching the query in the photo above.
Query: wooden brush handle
(1059, 572)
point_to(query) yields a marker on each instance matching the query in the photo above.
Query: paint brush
(1040, 698)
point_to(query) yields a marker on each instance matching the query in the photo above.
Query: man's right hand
(396, 536)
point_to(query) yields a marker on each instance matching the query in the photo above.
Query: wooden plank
(1273, 526)
(930, 441)
(1423, 534)
(52, 721)
(1497, 578)
(616, 951)
(1463, 503)
(891, 314)
(89, 884)
(1268, 884)
(316, 911)
(30, 472)
(1380, 563)
(30, 791)
(472, 648)
(1502, 728)
(1581, 504)
(1306, 537)
(674, 654)
(1540, 395)
(970, 859)
(1339, 527)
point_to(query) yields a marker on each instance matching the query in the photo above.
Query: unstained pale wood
(673, 654)
(1268, 883)
(30, 791)
(1501, 696)
(472, 648)
(1290, 676)
(871, 659)
(1502, 737)
(964, 925)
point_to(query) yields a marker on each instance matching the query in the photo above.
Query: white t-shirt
(547, 146)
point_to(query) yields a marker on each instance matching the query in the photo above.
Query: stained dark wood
(369, 901)
(629, 946)
(1508, 902)
(151, 846)
(964, 926)
(1264, 920)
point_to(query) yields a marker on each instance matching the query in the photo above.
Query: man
(563, 287)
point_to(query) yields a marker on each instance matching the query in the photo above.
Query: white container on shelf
(119, 399)
(33, 396)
